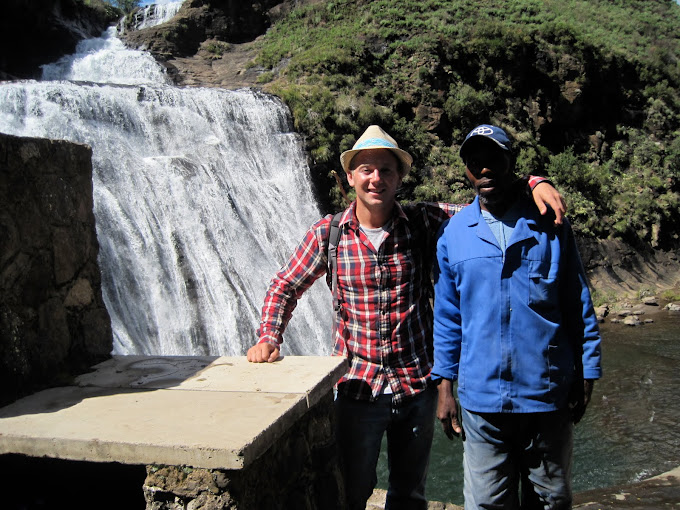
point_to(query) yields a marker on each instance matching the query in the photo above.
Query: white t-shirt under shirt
(377, 236)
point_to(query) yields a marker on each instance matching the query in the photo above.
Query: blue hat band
(372, 142)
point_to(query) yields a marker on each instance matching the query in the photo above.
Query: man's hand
(579, 400)
(263, 352)
(447, 410)
(546, 196)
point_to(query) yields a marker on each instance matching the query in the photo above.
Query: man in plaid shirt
(384, 321)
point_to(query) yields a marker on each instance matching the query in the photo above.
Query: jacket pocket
(543, 284)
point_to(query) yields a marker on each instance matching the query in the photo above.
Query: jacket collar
(524, 229)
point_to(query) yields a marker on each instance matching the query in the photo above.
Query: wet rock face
(36, 32)
(53, 322)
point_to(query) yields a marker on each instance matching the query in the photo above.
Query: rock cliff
(35, 32)
(211, 43)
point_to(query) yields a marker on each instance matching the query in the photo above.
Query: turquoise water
(630, 431)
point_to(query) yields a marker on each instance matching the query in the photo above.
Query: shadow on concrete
(120, 374)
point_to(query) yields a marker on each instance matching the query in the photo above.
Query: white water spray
(200, 195)
(153, 15)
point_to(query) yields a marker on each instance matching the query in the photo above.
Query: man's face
(488, 168)
(374, 174)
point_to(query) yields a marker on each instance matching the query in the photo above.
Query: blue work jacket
(515, 328)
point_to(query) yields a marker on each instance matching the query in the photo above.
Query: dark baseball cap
(494, 133)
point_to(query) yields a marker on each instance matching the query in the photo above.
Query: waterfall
(200, 196)
(153, 14)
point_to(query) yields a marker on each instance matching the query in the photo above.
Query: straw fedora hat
(375, 137)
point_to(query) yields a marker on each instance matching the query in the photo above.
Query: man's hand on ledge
(263, 352)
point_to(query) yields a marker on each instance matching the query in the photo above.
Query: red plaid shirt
(384, 326)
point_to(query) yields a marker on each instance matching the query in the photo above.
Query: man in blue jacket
(515, 326)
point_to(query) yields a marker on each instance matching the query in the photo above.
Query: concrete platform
(205, 412)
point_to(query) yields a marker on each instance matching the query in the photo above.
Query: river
(630, 431)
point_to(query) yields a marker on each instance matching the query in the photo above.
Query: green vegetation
(589, 89)
(126, 6)
(671, 295)
(104, 7)
(602, 298)
(215, 48)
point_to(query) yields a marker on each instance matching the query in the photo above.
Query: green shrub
(265, 77)
(671, 295)
(216, 48)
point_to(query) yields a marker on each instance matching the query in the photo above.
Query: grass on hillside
(589, 89)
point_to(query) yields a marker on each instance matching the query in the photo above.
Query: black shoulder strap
(333, 241)
(332, 275)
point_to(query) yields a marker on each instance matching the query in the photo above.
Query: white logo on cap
(482, 130)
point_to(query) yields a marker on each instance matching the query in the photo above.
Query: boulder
(632, 320)
(650, 301)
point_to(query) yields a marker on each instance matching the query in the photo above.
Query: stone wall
(53, 322)
(301, 470)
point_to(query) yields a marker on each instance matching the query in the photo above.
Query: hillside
(590, 88)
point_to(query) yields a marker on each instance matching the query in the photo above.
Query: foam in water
(200, 195)
(106, 60)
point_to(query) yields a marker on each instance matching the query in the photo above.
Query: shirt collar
(525, 227)
(350, 216)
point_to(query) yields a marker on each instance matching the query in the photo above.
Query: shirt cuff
(269, 339)
(535, 180)
(592, 373)
(437, 378)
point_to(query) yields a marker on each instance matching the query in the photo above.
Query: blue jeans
(409, 427)
(504, 450)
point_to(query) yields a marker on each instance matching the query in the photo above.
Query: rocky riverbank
(657, 492)
(629, 287)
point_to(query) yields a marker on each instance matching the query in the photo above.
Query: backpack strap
(332, 276)
(333, 241)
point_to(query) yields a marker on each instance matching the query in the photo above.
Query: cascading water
(200, 195)
(154, 14)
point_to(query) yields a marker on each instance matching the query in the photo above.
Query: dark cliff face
(230, 21)
(37, 32)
